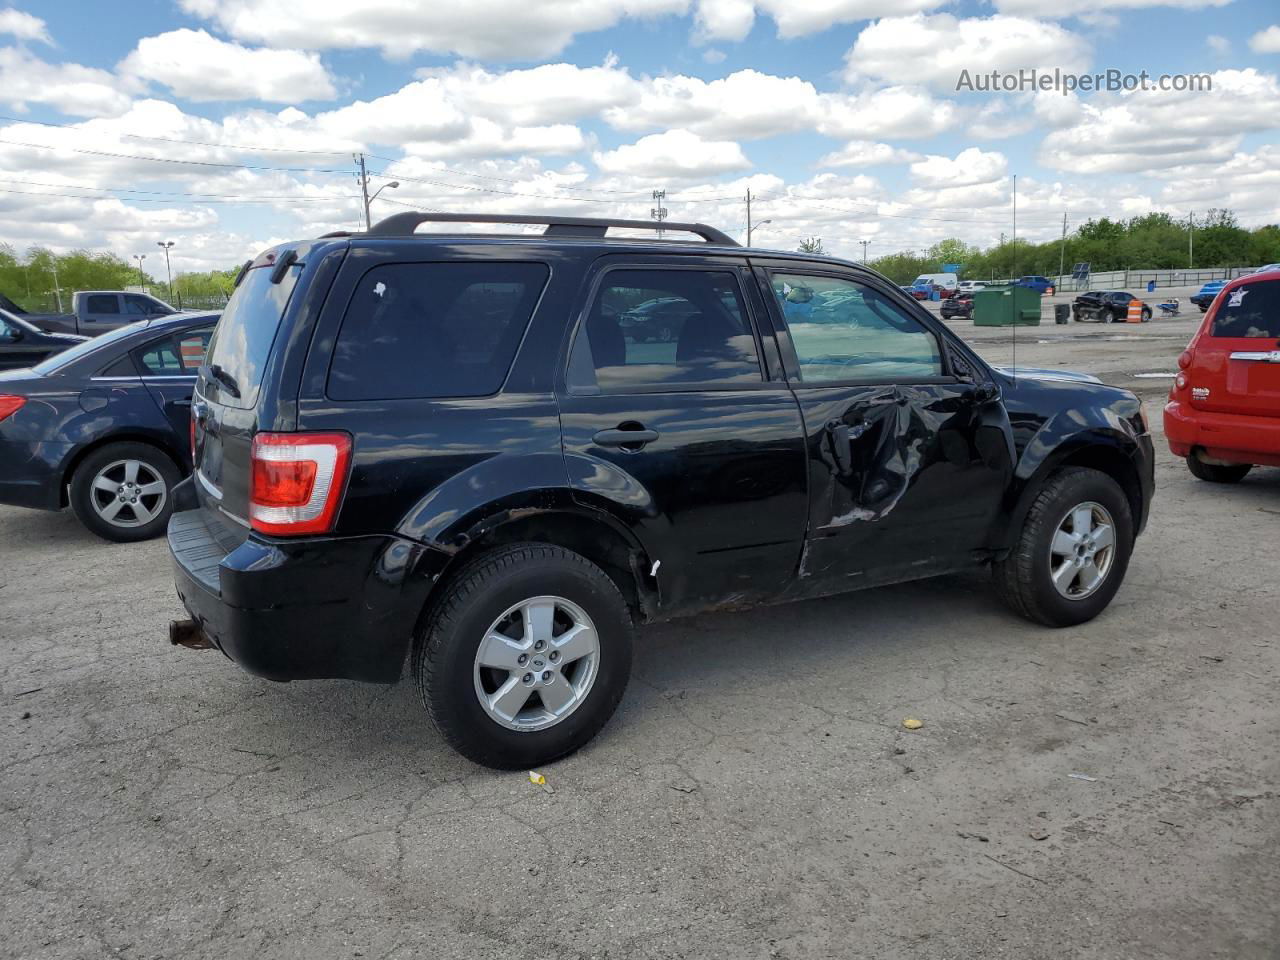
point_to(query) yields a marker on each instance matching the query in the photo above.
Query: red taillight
(192, 425)
(1184, 359)
(297, 481)
(9, 405)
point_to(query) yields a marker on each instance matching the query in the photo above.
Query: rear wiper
(226, 380)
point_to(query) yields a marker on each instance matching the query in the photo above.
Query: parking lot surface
(1109, 791)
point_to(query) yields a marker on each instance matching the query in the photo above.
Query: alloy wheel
(128, 493)
(1082, 551)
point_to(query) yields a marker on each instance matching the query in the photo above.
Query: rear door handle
(627, 439)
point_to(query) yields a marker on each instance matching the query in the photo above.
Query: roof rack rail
(403, 224)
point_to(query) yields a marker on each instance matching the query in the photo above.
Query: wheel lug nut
(528, 678)
(555, 656)
(522, 659)
(546, 676)
(539, 644)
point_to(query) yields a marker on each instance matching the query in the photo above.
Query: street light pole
(167, 244)
(864, 249)
(142, 282)
(753, 227)
(368, 203)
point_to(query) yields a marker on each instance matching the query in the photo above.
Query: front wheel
(1146, 315)
(124, 491)
(1217, 472)
(525, 657)
(1072, 552)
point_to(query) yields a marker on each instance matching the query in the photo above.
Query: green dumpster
(1006, 306)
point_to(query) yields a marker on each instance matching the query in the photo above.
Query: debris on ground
(1083, 776)
(1039, 834)
(972, 836)
(912, 723)
(536, 778)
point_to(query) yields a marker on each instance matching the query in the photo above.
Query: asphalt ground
(1110, 791)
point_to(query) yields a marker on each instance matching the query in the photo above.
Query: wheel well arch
(126, 437)
(1104, 457)
(622, 559)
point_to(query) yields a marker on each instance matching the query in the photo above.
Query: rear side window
(179, 355)
(416, 330)
(102, 303)
(651, 328)
(242, 340)
(1250, 311)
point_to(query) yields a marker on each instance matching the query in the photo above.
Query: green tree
(811, 245)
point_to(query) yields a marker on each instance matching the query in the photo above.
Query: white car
(1268, 268)
(972, 286)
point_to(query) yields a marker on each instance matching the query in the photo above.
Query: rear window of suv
(417, 330)
(1252, 310)
(245, 332)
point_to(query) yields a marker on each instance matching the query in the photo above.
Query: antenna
(659, 212)
(1014, 365)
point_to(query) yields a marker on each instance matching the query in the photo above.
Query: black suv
(449, 446)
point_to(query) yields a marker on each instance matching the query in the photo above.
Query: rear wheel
(1072, 552)
(124, 491)
(1217, 472)
(1146, 314)
(525, 657)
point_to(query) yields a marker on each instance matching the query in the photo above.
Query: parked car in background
(104, 426)
(924, 290)
(22, 344)
(1105, 306)
(496, 503)
(1205, 295)
(961, 305)
(1223, 413)
(97, 311)
(658, 320)
(945, 283)
(972, 286)
(1040, 285)
(1269, 268)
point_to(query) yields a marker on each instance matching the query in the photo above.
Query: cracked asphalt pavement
(1111, 791)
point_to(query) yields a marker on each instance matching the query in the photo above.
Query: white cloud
(1218, 44)
(712, 55)
(676, 153)
(551, 93)
(892, 112)
(970, 166)
(24, 26)
(1086, 8)
(417, 111)
(484, 138)
(732, 19)
(1266, 41)
(486, 29)
(935, 49)
(200, 67)
(68, 87)
(1149, 130)
(867, 153)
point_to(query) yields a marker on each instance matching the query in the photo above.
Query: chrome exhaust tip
(187, 633)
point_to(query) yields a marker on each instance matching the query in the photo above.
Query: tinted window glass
(845, 331)
(655, 327)
(1250, 311)
(433, 330)
(175, 356)
(243, 338)
(102, 303)
(70, 355)
(121, 368)
(136, 306)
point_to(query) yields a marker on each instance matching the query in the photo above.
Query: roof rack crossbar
(404, 224)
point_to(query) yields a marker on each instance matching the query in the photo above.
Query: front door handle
(181, 403)
(628, 439)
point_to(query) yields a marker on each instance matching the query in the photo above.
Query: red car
(1223, 413)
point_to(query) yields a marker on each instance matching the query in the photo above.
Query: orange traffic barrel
(1135, 312)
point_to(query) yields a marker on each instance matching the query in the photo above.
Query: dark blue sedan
(104, 427)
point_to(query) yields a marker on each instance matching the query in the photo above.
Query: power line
(174, 160)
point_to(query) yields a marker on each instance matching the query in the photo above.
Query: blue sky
(228, 125)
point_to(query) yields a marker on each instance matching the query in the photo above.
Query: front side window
(418, 330)
(1250, 311)
(844, 330)
(136, 306)
(653, 328)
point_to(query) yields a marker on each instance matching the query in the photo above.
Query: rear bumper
(310, 608)
(31, 473)
(1232, 437)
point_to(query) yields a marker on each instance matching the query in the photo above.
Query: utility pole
(748, 216)
(166, 244)
(1191, 239)
(1015, 226)
(659, 212)
(1062, 253)
(363, 177)
(864, 249)
(57, 291)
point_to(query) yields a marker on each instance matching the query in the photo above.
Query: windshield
(72, 354)
(15, 321)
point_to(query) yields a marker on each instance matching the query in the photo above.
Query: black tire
(445, 652)
(131, 526)
(1217, 472)
(1023, 577)
(1146, 315)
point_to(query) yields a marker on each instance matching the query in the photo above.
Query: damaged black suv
(491, 455)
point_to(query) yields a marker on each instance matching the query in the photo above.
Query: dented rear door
(907, 461)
